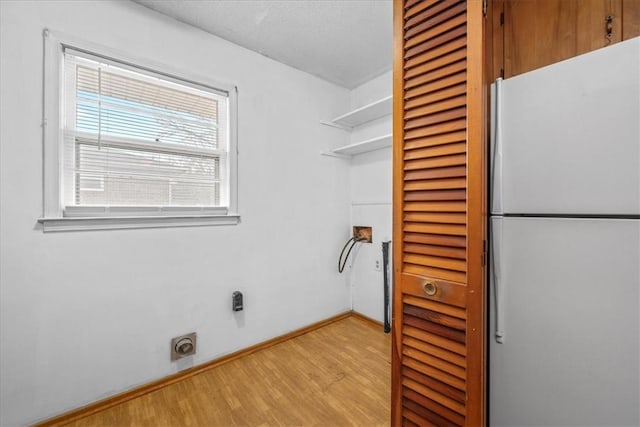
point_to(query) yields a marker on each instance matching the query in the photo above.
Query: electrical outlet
(377, 265)
(236, 301)
(363, 233)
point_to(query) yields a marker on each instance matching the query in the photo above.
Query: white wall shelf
(365, 146)
(361, 147)
(359, 116)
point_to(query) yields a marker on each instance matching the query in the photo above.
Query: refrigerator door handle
(496, 147)
(497, 278)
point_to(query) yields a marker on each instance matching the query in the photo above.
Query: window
(133, 146)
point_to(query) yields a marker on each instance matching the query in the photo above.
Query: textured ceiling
(346, 42)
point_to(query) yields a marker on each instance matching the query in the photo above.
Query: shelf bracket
(336, 155)
(337, 126)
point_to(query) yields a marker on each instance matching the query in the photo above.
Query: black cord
(342, 264)
(387, 302)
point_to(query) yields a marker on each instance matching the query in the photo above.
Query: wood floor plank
(336, 375)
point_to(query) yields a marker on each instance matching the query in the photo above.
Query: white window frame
(57, 217)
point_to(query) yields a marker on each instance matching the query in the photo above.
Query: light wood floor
(337, 375)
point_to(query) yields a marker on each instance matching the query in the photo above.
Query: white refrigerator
(565, 243)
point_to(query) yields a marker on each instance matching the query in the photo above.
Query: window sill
(134, 222)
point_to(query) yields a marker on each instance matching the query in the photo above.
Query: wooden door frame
(398, 202)
(477, 149)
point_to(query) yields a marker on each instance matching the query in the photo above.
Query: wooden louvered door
(439, 216)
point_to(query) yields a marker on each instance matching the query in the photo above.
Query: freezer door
(570, 136)
(570, 327)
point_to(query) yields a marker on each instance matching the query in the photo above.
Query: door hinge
(608, 29)
(484, 7)
(501, 18)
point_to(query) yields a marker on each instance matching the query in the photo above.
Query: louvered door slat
(435, 184)
(431, 410)
(440, 387)
(433, 174)
(434, 373)
(437, 74)
(433, 227)
(416, 6)
(440, 139)
(436, 306)
(440, 117)
(435, 42)
(437, 206)
(434, 362)
(434, 86)
(432, 162)
(434, 195)
(448, 92)
(447, 14)
(428, 109)
(439, 240)
(411, 3)
(434, 395)
(433, 316)
(433, 350)
(435, 8)
(435, 53)
(438, 226)
(428, 271)
(443, 251)
(410, 418)
(434, 31)
(440, 128)
(446, 218)
(455, 265)
(455, 56)
(434, 261)
(450, 349)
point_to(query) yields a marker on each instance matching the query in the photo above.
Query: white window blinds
(135, 138)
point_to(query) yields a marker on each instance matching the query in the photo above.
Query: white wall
(371, 195)
(85, 315)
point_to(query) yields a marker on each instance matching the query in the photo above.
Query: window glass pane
(128, 177)
(122, 106)
(137, 140)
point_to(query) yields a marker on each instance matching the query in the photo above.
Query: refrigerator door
(570, 328)
(570, 136)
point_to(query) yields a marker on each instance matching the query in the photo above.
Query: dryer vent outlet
(363, 233)
(183, 346)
